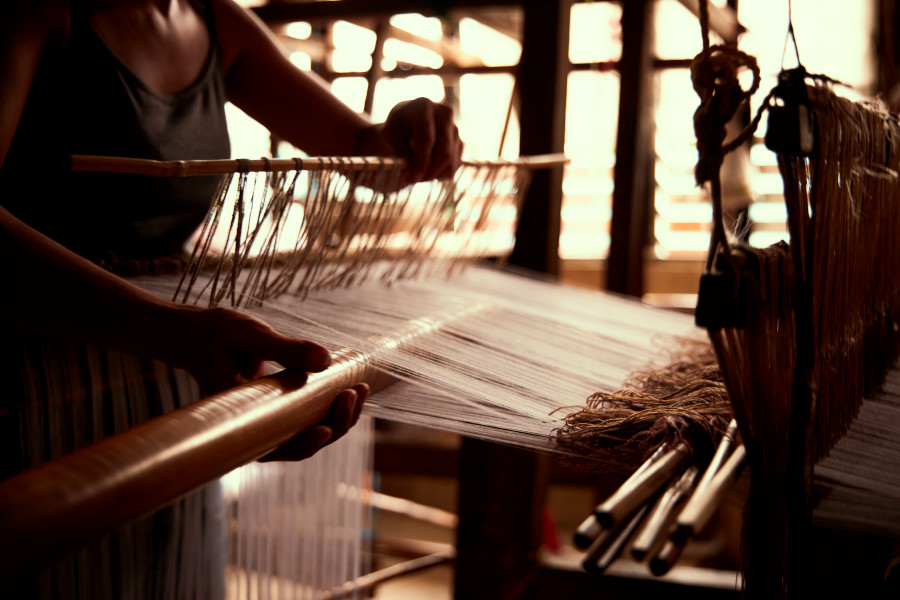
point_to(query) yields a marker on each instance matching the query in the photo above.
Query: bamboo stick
(703, 504)
(185, 168)
(637, 490)
(655, 529)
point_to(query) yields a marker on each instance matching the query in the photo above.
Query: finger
(301, 447)
(362, 394)
(421, 145)
(448, 153)
(251, 370)
(258, 342)
(298, 354)
(344, 409)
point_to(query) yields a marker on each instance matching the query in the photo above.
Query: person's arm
(298, 107)
(29, 31)
(50, 289)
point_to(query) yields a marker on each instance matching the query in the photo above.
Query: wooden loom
(268, 411)
(767, 282)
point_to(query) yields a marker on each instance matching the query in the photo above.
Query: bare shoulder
(239, 31)
(38, 25)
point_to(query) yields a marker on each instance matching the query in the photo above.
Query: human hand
(223, 348)
(423, 133)
(343, 415)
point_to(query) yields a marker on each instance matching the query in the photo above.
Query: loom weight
(791, 128)
(722, 298)
(614, 521)
(669, 551)
(637, 491)
(703, 503)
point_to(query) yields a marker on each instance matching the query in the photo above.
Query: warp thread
(684, 401)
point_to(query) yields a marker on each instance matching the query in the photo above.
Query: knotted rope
(715, 76)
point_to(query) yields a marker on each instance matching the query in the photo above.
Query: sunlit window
(682, 211)
(595, 32)
(484, 122)
(591, 115)
(426, 27)
(427, 56)
(493, 47)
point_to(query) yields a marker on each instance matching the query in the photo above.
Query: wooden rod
(184, 168)
(62, 504)
(368, 582)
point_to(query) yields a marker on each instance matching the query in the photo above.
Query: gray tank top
(84, 101)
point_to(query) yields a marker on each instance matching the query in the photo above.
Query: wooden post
(502, 489)
(633, 175)
(375, 71)
(541, 83)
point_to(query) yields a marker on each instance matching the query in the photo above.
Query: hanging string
(790, 37)
(714, 73)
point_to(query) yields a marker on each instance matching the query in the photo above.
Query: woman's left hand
(423, 133)
(343, 415)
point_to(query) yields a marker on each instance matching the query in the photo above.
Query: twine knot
(715, 76)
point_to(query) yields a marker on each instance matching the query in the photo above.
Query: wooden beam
(375, 71)
(633, 175)
(722, 21)
(541, 83)
(502, 490)
(287, 12)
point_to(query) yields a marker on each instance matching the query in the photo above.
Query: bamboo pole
(185, 168)
(59, 505)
